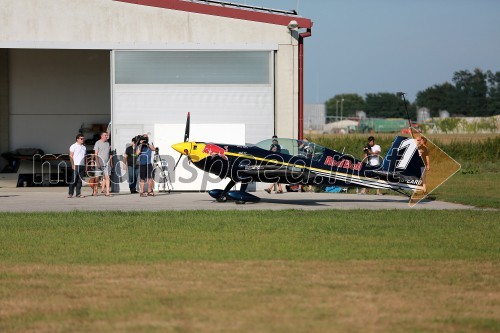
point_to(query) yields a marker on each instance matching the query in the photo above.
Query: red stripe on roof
(215, 10)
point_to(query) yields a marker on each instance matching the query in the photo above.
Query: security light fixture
(293, 25)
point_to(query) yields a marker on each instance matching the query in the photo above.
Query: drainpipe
(301, 81)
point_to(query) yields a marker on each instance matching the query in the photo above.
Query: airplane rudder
(391, 158)
(403, 157)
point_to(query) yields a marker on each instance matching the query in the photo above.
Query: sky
(372, 46)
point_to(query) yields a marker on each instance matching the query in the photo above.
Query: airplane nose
(182, 147)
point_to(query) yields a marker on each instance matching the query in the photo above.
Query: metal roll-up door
(154, 89)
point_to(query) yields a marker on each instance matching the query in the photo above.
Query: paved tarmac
(45, 199)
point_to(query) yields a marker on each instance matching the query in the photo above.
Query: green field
(116, 238)
(266, 271)
(476, 189)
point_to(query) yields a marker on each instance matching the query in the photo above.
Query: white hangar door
(230, 95)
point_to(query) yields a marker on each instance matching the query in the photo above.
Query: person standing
(372, 155)
(144, 152)
(304, 148)
(103, 161)
(423, 152)
(275, 148)
(131, 166)
(77, 152)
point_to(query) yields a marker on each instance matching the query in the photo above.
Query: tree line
(470, 94)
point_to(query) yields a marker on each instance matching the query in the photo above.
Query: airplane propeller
(186, 136)
(186, 131)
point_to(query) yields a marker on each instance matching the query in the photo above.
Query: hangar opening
(49, 96)
(54, 94)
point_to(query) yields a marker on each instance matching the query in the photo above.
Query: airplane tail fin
(403, 159)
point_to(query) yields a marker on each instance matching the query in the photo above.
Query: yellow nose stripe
(182, 147)
(192, 149)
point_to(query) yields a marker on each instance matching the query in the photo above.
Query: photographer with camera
(131, 166)
(372, 155)
(144, 152)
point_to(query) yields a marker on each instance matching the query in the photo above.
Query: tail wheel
(221, 199)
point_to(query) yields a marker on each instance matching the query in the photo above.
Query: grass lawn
(479, 189)
(287, 271)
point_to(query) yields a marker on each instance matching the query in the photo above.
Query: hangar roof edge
(228, 9)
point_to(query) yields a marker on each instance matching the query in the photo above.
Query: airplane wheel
(221, 199)
(240, 202)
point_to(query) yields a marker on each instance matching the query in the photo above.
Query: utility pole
(341, 108)
(337, 112)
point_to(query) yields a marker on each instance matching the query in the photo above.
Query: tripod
(160, 173)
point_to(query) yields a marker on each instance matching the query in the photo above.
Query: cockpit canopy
(294, 147)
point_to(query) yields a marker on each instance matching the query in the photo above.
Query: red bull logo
(346, 164)
(213, 150)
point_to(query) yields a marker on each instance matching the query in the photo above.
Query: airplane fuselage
(320, 166)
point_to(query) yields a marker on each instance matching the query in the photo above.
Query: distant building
(342, 126)
(314, 117)
(361, 114)
(444, 114)
(423, 114)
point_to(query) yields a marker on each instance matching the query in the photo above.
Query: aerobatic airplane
(302, 162)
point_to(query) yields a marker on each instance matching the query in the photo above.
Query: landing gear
(240, 197)
(220, 195)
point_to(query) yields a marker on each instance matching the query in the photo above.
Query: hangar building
(73, 65)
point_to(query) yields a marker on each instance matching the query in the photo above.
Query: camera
(140, 138)
(367, 149)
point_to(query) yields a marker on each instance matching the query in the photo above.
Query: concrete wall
(107, 21)
(286, 92)
(107, 24)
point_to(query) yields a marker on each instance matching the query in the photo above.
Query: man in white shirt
(372, 154)
(77, 153)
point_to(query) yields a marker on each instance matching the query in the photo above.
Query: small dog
(94, 183)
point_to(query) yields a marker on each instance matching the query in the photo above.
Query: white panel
(122, 136)
(153, 104)
(168, 134)
(189, 67)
